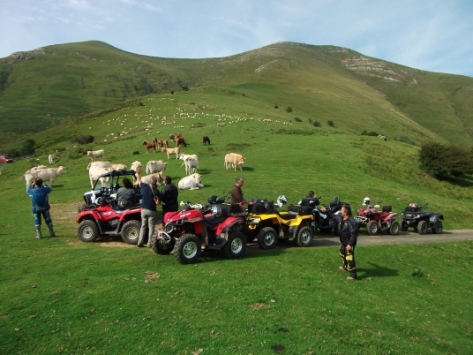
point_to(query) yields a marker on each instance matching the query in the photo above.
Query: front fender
(434, 218)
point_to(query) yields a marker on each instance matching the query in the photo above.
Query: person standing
(168, 196)
(348, 232)
(40, 206)
(237, 194)
(149, 216)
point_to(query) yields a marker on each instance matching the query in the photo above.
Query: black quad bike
(101, 215)
(421, 220)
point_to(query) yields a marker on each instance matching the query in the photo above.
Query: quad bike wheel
(394, 229)
(131, 231)
(88, 231)
(372, 227)
(422, 227)
(437, 228)
(304, 236)
(160, 247)
(267, 238)
(235, 246)
(188, 249)
(403, 225)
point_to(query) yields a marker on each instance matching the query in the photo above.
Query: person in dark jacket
(40, 206)
(149, 216)
(126, 194)
(168, 196)
(348, 232)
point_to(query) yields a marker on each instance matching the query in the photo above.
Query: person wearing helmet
(348, 232)
(40, 206)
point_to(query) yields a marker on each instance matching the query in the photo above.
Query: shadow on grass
(252, 251)
(376, 271)
(204, 171)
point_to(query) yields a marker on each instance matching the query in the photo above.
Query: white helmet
(366, 201)
(282, 200)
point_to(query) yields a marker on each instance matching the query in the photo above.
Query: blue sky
(433, 35)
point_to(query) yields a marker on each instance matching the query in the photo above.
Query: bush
(28, 147)
(83, 139)
(372, 133)
(316, 124)
(297, 119)
(289, 109)
(330, 123)
(276, 106)
(76, 153)
(444, 161)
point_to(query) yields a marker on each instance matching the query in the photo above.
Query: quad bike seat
(412, 209)
(287, 216)
(335, 204)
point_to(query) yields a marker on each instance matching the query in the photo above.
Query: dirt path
(402, 238)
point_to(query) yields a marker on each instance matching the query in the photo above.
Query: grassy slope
(319, 82)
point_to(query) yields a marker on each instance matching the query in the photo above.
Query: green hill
(54, 85)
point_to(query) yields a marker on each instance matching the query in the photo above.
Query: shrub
(372, 133)
(276, 106)
(316, 124)
(444, 161)
(76, 153)
(330, 123)
(289, 109)
(172, 92)
(28, 147)
(83, 139)
(297, 119)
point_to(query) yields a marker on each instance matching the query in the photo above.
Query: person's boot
(51, 230)
(37, 227)
(140, 241)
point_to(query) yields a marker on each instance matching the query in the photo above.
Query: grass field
(60, 295)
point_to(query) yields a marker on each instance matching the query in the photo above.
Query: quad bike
(212, 226)
(375, 221)
(100, 215)
(415, 216)
(266, 224)
(326, 217)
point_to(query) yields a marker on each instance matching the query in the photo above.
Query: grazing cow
(235, 160)
(45, 174)
(191, 182)
(155, 166)
(206, 140)
(191, 165)
(147, 178)
(138, 168)
(162, 143)
(118, 166)
(94, 175)
(96, 154)
(150, 145)
(52, 158)
(180, 141)
(382, 137)
(169, 151)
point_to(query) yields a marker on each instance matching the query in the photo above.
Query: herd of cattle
(97, 168)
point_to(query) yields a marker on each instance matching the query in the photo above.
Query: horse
(150, 145)
(206, 140)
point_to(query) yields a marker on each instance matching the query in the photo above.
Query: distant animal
(191, 182)
(234, 160)
(169, 151)
(191, 164)
(52, 158)
(181, 141)
(93, 154)
(382, 137)
(183, 157)
(155, 166)
(206, 140)
(46, 174)
(94, 175)
(172, 137)
(161, 143)
(150, 145)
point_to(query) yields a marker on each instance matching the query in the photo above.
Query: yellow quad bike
(266, 224)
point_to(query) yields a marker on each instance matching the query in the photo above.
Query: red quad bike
(376, 221)
(101, 216)
(214, 226)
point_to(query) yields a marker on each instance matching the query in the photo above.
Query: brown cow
(150, 145)
(180, 141)
(206, 140)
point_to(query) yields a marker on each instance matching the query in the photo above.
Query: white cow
(169, 151)
(138, 168)
(101, 164)
(191, 165)
(46, 174)
(235, 160)
(183, 157)
(118, 166)
(154, 166)
(147, 178)
(96, 154)
(191, 182)
(94, 175)
(52, 158)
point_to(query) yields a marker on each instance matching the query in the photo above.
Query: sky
(432, 35)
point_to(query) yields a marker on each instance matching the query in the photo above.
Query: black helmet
(213, 199)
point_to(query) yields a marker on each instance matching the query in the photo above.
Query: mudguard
(434, 218)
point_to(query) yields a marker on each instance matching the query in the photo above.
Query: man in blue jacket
(40, 206)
